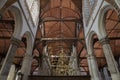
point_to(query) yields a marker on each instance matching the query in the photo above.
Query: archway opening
(99, 59)
(112, 26)
(82, 54)
(7, 25)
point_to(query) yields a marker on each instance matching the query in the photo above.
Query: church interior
(67, 40)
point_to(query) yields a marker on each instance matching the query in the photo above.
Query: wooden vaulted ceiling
(60, 18)
(78, 3)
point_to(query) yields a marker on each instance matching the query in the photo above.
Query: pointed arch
(30, 42)
(18, 20)
(101, 20)
(90, 41)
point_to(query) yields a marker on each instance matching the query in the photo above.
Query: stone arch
(91, 57)
(90, 41)
(103, 38)
(26, 54)
(18, 21)
(30, 42)
(25, 69)
(15, 40)
(15, 11)
(101, 19)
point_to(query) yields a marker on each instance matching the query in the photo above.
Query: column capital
(90, 56)
(15, 41)
(104, 41)
(28, 56)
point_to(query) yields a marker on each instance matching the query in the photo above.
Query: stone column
(105, 73)
(26, 66)
(102, 74)
(11, 75)
(93, 67)
(44, 70)
(9, 59)
(74, 64)
(112, 66)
